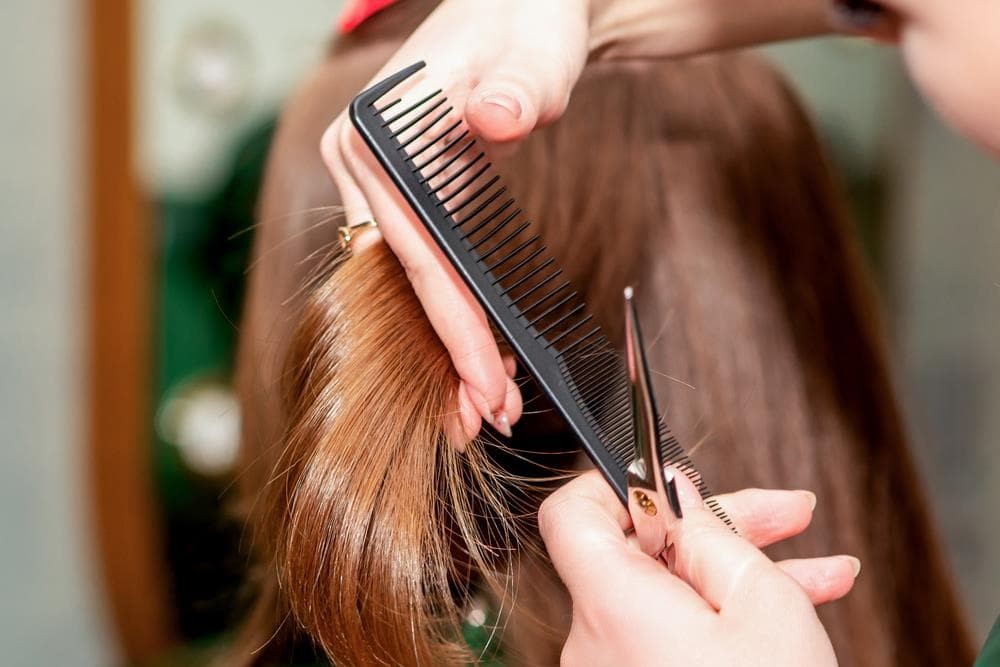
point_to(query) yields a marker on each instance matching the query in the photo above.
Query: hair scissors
(651, 491)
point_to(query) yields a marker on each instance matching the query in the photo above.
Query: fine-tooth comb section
(449, 182)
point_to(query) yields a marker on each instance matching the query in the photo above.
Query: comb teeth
(512, 274)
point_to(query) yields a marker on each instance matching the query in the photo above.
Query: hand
(510, 67)
(723, 603)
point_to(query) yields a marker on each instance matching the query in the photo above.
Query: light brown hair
(701, 182)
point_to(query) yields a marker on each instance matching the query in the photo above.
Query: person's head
(702, 183)
(952, 49)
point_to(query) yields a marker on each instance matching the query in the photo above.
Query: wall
(948, 322)
(210, 69)
(50, 612)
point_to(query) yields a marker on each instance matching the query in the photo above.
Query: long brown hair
(701, 182)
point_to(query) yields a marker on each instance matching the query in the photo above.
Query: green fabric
(990, 657)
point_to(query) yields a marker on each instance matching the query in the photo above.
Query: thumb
(530, 84)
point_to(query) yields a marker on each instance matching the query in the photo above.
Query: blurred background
(133, 137)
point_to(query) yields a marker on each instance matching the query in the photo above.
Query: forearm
(674, 28)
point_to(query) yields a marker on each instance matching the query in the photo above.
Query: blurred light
(213, 69)
(202, 419)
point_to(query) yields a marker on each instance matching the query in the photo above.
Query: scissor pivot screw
(646, 503)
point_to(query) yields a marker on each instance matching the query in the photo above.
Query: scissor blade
(649, 497)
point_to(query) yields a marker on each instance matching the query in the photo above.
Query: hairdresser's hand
(510, 66)
(725, 603)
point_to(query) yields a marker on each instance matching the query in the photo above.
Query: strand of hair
(585, 358)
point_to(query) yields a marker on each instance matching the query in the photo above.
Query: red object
(357, 12)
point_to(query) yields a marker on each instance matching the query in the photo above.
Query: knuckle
(549, 511)
(351, 144)
(418, 272)
(558, 511)
(554, 514)
(573, 651)
(569, 655)
(329, 144)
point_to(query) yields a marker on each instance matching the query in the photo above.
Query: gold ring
(347, 232)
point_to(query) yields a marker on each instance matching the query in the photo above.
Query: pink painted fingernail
(687, 495)
(502, 424)
(503, 101)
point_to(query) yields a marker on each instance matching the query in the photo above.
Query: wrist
(677, 28)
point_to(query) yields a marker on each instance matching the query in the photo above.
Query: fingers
(521, 76)
(764, 517)
(487, 393)
(583, 526)
(530, 84)
(823, 579)
(726, 570)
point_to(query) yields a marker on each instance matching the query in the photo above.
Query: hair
(700, 181)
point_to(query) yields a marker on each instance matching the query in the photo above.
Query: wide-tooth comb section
(449, 182)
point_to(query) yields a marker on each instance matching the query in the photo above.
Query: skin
(722, 601)
(951, 50)
(510, 67)
(516, 79)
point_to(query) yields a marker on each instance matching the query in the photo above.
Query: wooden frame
(120, 272)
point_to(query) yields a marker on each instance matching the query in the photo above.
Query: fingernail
(687, 495)
(811, 497)
(501, 423)
(672, 498)
(855, 564)
(505, 102)
(857, 15)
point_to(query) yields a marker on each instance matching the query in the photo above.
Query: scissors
(652, 493)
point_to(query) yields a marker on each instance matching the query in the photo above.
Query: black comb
(429, 153)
